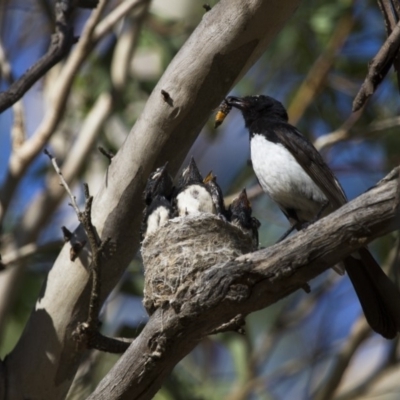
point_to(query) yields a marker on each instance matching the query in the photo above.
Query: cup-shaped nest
(181, 250)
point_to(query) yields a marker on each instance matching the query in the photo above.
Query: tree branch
(388, 16)
(378, 68)
(87, 333)
(61, 42)
(359, 333)
(22, 157)
(18, 129)
(347, 132)
(119, 12)
(391, 13)
(316, 77)
(247, 284)
(29, 250)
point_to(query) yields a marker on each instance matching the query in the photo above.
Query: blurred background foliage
(315, 67)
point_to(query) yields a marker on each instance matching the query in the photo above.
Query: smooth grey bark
(223, 47)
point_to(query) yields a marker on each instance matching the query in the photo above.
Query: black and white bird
(159, 183)
(240, 215)
(292, 172)
(210, 181)
(157, 196)
(192, 196)
(156, 215)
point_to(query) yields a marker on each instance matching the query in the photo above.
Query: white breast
(283, 179)
(193, 200)
(156, 219)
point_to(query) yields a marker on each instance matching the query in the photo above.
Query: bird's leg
(287, 233)
(325, 204)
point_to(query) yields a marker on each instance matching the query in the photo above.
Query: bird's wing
(311, 161)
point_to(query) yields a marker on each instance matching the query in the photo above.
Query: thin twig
(18, 131)
(360, 332)
(87, 333)
(61, 42)
(340, 134)
(391, 13)
(366, 386)
(345, 132)
(113, 17)
(378, 68)
(22, 157)
(387, 11)
(317, 74)
(396, 8)
(126, 46)
(29, 250)
(97, 247)
(64, 183)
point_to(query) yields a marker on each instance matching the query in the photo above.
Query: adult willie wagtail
(292, 172)
(192, 196)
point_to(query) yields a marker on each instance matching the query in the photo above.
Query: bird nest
(181, 250)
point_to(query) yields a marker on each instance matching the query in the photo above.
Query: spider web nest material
(181, 250)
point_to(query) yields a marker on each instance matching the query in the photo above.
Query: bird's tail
(378, 295)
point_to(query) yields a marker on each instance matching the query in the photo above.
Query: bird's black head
(258, 107)
(190, 175)
(159, 183)
(241, 207)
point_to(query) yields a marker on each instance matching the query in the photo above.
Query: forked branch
(87, 333)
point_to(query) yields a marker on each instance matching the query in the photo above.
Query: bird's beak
(164, 169)
(244, 200)
(161, 172)
(237, 102)
(209, 177)
(192, 173)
